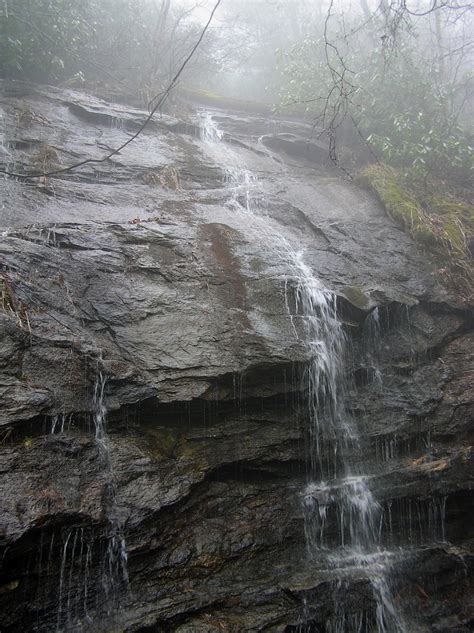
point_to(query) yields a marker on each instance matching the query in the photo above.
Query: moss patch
(10, 586)
(356, 297)
(163, 443)
(443, 225)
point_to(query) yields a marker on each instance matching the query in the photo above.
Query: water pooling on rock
(335, 484)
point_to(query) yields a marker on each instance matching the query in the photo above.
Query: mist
(236, 300)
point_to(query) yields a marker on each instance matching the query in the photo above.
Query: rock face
(146, 276)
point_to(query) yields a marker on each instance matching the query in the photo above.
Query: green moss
(398, 201)
(10, 586)
(166, 442)
(162, 442)
(356, 297)
(441, 224)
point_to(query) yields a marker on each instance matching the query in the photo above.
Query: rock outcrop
(139, 270)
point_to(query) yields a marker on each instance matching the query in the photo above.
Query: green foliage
(132, 41)
(403, 103)
(407, 118)
(42, 39)
(27, 442)
(304, 76)
(406, 112)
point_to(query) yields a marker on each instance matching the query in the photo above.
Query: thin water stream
(91, 565)
(336, 483)
(114, 570)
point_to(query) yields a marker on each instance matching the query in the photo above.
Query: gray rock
(180, 299)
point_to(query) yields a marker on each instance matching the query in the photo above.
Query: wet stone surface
(150, 267)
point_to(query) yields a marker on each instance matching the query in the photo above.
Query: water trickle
(76, 584)
(93, 564)
(336, 457)
(336, 488)
(3, 145)
(414, 522)
(8, 164)
(209, 130)
(100, 412)
(60, 422)
(62, 575)
(387, 448)
(371, 333)
(114, 573)
(49, 234)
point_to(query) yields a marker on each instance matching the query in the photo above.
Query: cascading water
(3, 149)
(114, 574)
(336, 483)
(337, 488)
(92, 566)
(4, 156)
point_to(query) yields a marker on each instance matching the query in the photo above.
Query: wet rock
(183, 300)
(301, 148)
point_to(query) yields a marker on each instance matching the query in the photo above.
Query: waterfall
(92, 566)
(337, 489)
(114, 573)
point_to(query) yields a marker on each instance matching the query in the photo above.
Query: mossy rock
(163, 443)
(443, 225)
(398, 201)
(356, 297)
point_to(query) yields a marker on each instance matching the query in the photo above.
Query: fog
(396, 74)
(236, 292)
